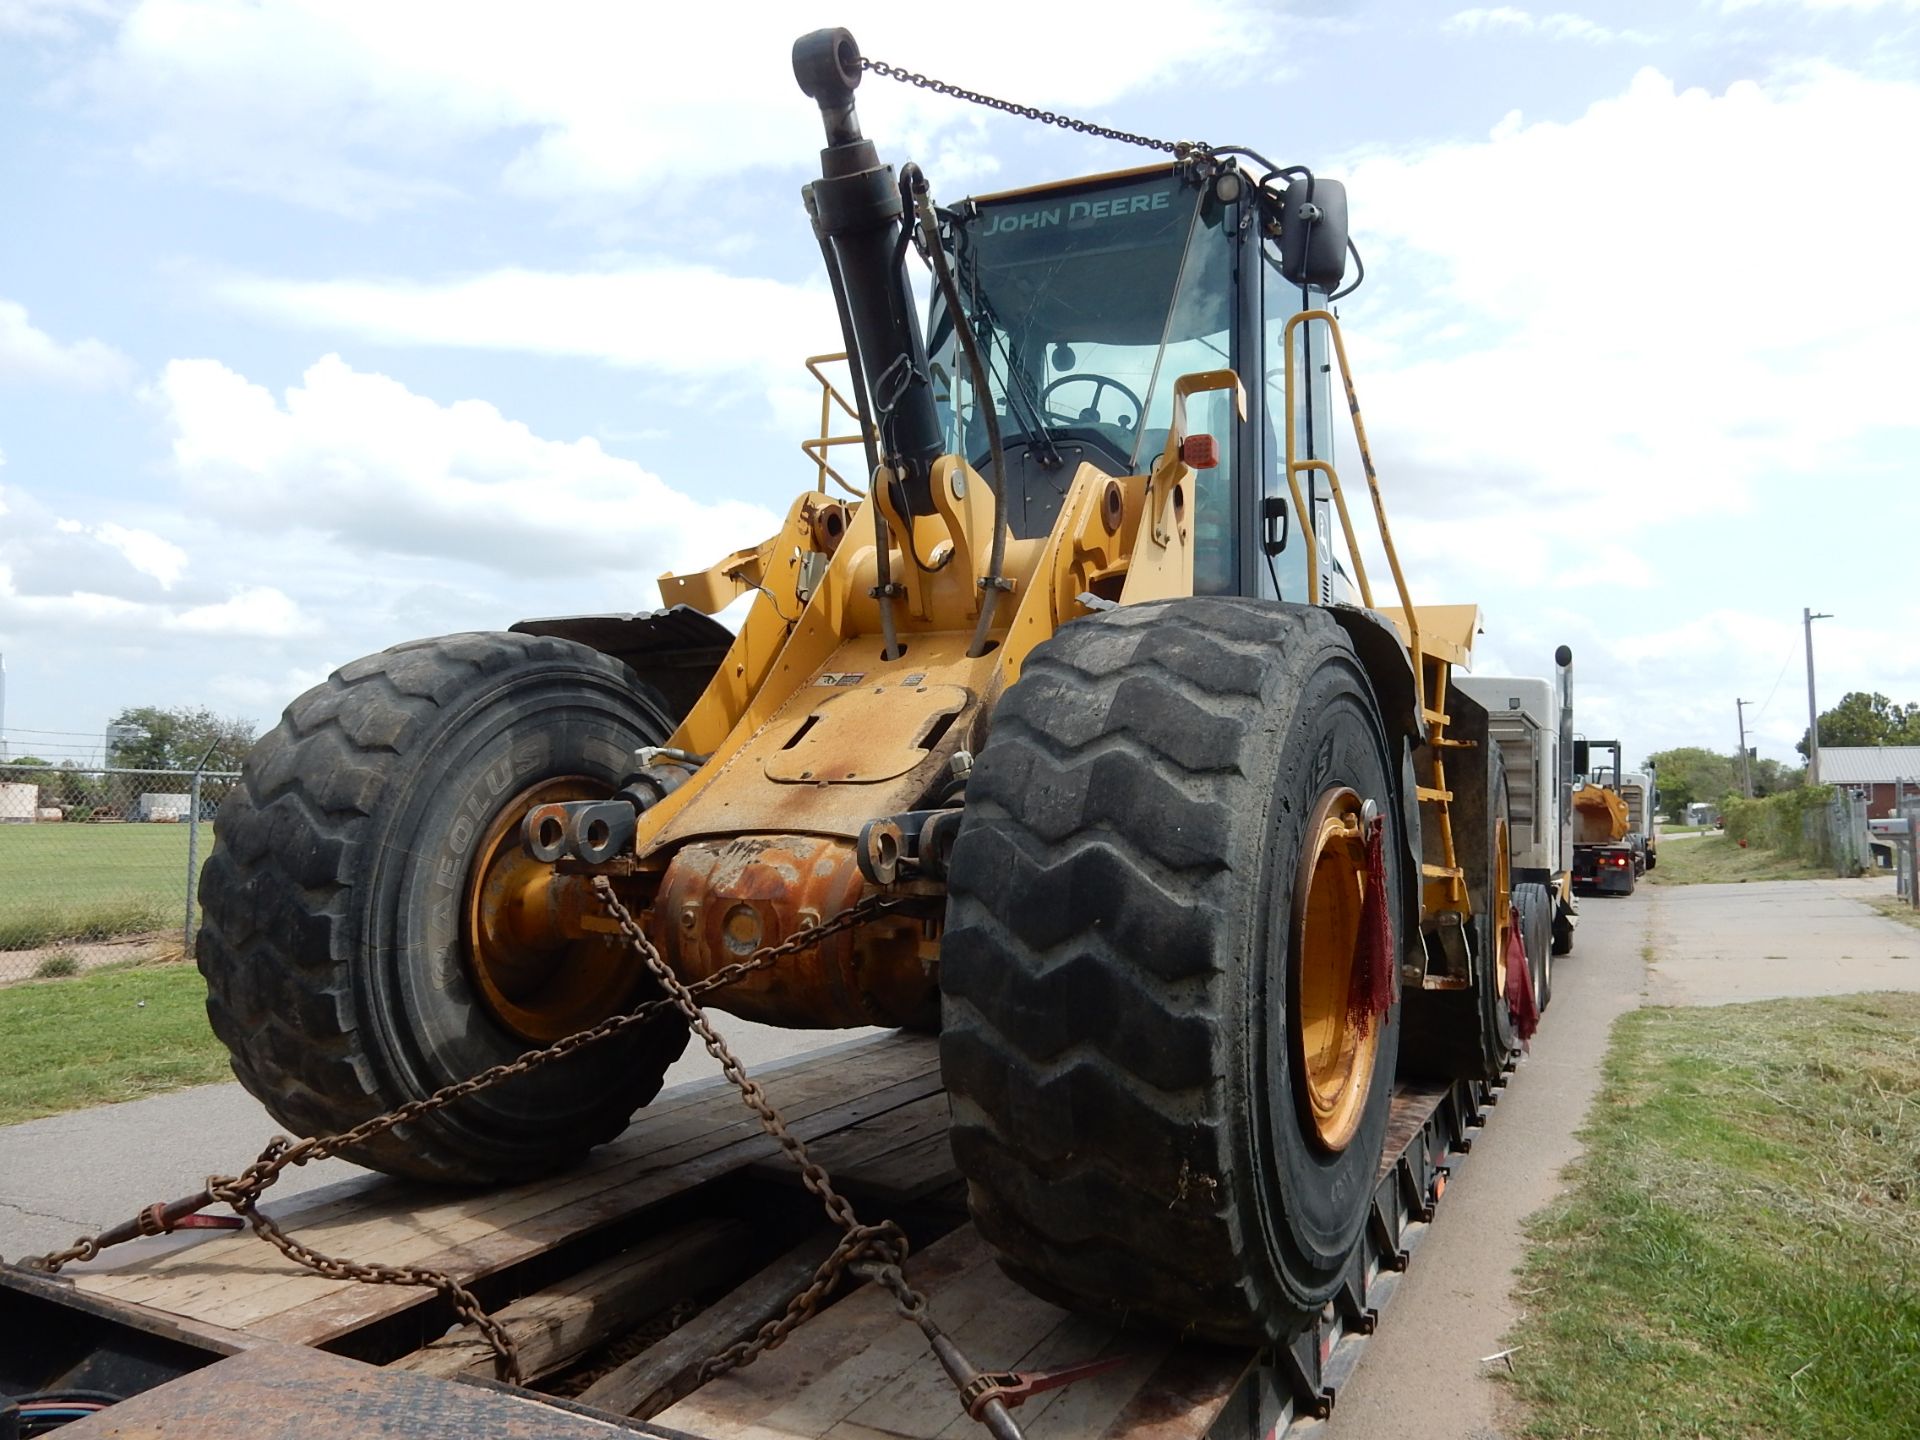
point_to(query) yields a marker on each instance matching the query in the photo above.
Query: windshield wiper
(1022, 395)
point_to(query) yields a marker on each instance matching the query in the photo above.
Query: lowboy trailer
(691, 1217)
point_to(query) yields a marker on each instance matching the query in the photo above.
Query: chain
(243, 1191)
(1179, 149)
(882, 1246)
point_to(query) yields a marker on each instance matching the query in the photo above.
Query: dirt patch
(49, 961)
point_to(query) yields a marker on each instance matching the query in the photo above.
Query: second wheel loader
(1192, 843)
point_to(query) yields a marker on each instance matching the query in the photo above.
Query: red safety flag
(1520, 1001)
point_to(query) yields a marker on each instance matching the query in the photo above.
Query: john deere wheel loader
(1197, 842)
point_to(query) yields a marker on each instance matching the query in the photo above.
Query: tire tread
(277, 930)
(1079, 973)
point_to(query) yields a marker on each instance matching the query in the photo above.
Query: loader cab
(1088, 300)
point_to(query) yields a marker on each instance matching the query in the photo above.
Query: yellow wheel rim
(538, 981)
(1334, 1057)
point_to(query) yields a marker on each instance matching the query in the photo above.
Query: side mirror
(1276, 522)
(1313, 232)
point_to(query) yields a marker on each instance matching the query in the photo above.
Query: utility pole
(1807, 617)
(1746, 767)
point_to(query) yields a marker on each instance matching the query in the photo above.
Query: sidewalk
(1778, 939)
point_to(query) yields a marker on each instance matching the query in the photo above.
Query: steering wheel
(1090, 413)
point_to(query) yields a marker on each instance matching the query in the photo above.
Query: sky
(326, 325)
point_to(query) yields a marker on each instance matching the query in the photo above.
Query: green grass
(1716, 860)
(114, 1034)
(92, 882)
(1895, 909)
(1739, 1252)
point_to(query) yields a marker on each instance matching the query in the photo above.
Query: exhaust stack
(1563, 687)
(856, 210)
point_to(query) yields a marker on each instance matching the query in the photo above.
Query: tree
(1770, 777)
(1867, 719)
(1693, 774)
(74, 787)
(145, 737)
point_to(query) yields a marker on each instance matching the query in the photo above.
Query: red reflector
(1202, 452)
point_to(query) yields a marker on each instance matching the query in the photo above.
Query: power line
(1776, 683)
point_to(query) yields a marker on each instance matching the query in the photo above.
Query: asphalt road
(69, 1175)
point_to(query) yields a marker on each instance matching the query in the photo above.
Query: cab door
(1280, 539)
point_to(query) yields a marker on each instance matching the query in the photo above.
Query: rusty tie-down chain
(882, 1247)
(885, 1242)
(243, 1191)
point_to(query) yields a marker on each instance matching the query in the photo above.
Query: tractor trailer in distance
(1638, 790)
(1531, 720)
(1615, 832)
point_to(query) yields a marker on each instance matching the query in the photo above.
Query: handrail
(816, 449)
(1295, 466)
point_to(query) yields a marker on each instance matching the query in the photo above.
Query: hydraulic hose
(883, 569)
(882, 541)
(994, 583)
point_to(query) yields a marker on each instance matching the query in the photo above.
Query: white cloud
(1499, 17)
(258, 613)
(28, 353)
(1578, 27)
(256, 693)
(1679, 678)
(1600, 565)
(148, 553)
(60, 576)
(1630, 393)
(55, 19)
(1639, 297)
(1821, 6)
(347, 104)
(256, 610)
(360, 458)
(1560, 25)
(46, 555)
(673, 318)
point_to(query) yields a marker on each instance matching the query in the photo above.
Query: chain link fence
(98, 865)
(1848, 846)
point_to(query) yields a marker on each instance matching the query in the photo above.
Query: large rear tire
(348, 969)
(1159, 1102)
(1563, 925)
(1535, 905)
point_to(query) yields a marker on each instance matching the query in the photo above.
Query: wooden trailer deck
(693, 1228)
(853, 1098)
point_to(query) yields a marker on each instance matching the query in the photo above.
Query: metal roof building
(1869, 764)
